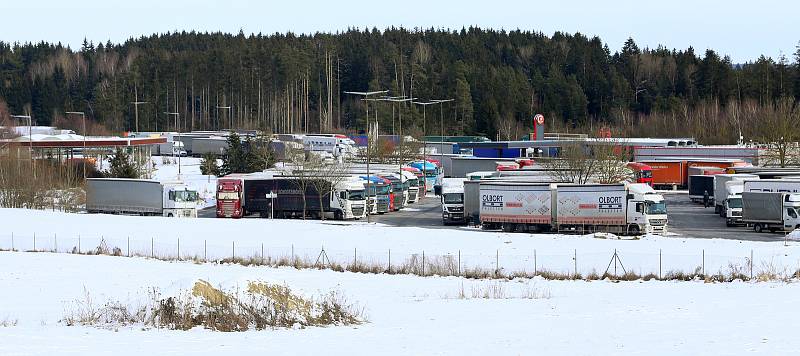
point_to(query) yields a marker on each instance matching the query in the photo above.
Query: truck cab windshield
(355, 195)
(735, 203)
(453, 198)
(183, 196)
(413, 183)
(656, 208)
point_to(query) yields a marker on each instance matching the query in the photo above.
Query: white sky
(742, 29)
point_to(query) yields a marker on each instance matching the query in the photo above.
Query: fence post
(292, 254)
(355, 254)
(390, 261)
(751, 264)
(659, 263)
(55, 242)
(205, 251)
(233, 251)
(179, 248)
(262, 253)
(34, 242)
(704, 263)
(79, 244)
(129, 246)
(459, 262)
(423, 263)
(497, 262)
(575, 261)
(152, 248)
(535, 263)
(12, 242)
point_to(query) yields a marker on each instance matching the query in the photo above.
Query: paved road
(425, 213)
(693, 220)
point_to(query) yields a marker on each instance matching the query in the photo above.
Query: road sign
(538, 119)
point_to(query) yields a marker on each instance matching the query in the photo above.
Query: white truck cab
(350, 196)
(732, 205)
(647, 209)
(180, 200)
(452, 198)
(413, 186)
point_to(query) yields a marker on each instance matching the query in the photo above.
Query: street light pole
(424, 143)
(83, 153)
(136, 104)
(366, 95)
(441, 126)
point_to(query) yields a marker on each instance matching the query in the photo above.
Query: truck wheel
(170, 215)
(633, 230)
(338, 215)
(758, 228)
(728, 223)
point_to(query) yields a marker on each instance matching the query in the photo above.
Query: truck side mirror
(437, 190)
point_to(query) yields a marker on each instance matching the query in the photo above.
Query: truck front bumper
(453, 217)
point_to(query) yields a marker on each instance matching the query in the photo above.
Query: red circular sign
(539, 119)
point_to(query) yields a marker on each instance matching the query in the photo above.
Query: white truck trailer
(771, 211)
(140, 197)
(720, 191)
(541, 207)
(773, 185)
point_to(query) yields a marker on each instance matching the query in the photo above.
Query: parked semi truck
(413, 186)
(771, 211)
(732, 205)
(399, 189)
(544, 207)
(452, 198)
(721, 192)
(282, 196)
(170, 148)
(378, 194)
(140, 197)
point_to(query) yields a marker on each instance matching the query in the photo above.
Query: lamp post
(424, 143)
(136, 104)
(398, 99)
(177, 127)
(366, 95)
(30, 140)
(83, 153)
(441, 126)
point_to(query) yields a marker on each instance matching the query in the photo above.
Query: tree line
(287, 82)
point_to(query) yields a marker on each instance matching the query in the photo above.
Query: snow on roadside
(407, 315)
(373, 243)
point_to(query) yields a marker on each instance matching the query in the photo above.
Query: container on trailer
(699, 186)
(667, 173)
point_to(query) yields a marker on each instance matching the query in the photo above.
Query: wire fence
(563, 264)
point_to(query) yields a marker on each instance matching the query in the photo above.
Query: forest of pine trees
(295, 83)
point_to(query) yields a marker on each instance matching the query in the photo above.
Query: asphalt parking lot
(689, 219)
(686, 219)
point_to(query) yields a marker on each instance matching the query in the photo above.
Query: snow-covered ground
(407, 315)
(221, 238)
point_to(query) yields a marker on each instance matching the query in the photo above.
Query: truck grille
(412, 196)
(658, 222)
(455, 209)
(736, 213)
(383, 206)
(227, 207)
(358, 211)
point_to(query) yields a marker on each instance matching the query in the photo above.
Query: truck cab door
(636, 212)
(790, 220)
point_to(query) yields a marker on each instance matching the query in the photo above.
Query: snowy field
(407, 315)
(373, 243)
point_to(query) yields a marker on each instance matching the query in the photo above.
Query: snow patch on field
(407, 315)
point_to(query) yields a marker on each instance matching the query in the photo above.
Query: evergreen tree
(122, 166)
(209, 166)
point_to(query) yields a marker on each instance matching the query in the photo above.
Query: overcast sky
(742, 29)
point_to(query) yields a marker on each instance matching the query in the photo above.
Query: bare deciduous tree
(780, 135)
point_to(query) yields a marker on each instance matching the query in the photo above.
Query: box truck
(140, 197)
(732, 205)
(667, 174)
(771, 211)
(544, 207)
(721, 192)
(699, 186)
